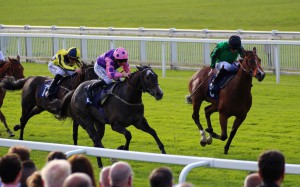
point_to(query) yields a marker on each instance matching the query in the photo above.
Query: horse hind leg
(3, 119)
(24, 119)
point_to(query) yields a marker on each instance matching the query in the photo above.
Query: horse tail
(65, 106)
(9, 83)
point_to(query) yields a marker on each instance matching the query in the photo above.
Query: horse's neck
(130, 91)
(4, 70)
(242, 81)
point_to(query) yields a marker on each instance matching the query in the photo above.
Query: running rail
(189, 162)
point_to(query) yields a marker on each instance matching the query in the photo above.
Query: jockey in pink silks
(106, 68)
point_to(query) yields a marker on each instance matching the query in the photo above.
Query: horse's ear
(254, 50)
(92, 63)
(139, 68)
(18, 57)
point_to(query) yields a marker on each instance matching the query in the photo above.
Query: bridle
(142, 87)
(251, 72)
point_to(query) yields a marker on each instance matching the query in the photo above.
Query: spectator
(104, 180)
(35, 180)
(28, 169)
(161, 177)
(252, 180)
(271, 168)
(10, 170)
(55, 172)
(120, 175)
(56, 155)
(81, 163)
(23, 152)
(78, 180)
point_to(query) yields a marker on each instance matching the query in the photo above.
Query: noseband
(251, 72)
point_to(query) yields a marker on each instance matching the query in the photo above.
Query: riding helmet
(73, 52)
(235, 42)
(120, 53)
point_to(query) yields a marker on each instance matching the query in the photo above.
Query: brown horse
(234, 100)
(12, 67)
(33, 100)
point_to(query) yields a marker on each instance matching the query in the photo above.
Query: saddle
(214, 92)
(46, 85)
(101, 94)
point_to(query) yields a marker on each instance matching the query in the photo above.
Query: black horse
(123, 107)
(33, 101)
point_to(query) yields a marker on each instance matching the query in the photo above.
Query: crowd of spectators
(18, 170)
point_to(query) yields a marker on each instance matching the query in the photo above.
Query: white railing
(278, 56)
(141, 31)
(190, 162)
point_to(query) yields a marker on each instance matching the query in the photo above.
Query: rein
(144, 89)
(250, 72)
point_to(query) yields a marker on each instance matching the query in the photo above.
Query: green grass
(272, 123)
(192, 14)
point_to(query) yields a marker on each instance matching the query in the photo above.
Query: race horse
(122, 108)
(235, 98)
(11, 68)
(33, 88)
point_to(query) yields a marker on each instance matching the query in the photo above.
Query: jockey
(64, 63)
(223, 57)
(106, 68)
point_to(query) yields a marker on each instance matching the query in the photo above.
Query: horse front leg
(122, 130)
(236, 124)
(209, 110)
(144, 126)
(196, 118)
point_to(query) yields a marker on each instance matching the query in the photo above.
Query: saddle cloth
(214, 92)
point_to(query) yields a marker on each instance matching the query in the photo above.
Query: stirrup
(88, 101)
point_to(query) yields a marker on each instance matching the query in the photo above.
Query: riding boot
(219, 76)
(52, 87)
(90, 89)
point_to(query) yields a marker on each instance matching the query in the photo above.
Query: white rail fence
(189, 162)
(278, 56)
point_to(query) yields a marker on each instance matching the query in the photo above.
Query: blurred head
(121, 55)
(104, 180)
(56, 155)
(78, 180)
(120, 174)
(161, 177)
(235, 42)
(271, 166)
(23, 152)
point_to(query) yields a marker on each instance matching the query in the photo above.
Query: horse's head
(251, 63)
(148, 81)
(15, 68)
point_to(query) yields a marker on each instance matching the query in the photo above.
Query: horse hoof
(122, 147)
(11, 134)
(209, 140)
(203, 144)
(17, 127)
